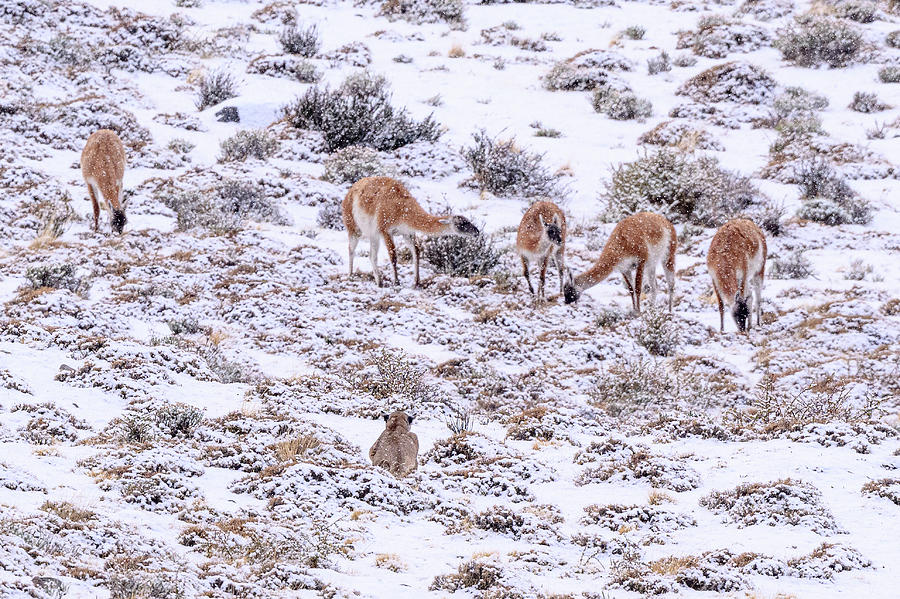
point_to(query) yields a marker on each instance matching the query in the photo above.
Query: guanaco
(737, 263)
(380, 207)
(639, 243)
(103, 167)
(396, 449)
(542, 236)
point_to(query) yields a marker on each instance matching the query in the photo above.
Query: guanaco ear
(541, 220)
(409, 419)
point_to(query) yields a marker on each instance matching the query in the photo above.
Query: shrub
(770, 218)
(889, 74)
(685, 188)
(620, 105)
(893, 39)
(634, 32)
(256, 143)
(684, 60)
(472, 574)
(888, 488)
(866, 102)
(286, 67)
(216, 87)
(178, 420)
(739, 82)
(858, 10)
(359, 112)
(796, 101)
(425, 11)
(659, 64)
(586, 70)
(225, 208)
(717, 36)
(302, 41)
(795, 266)
(500, 519)
(69, 51)
(828, 197)
(506, 170)
(462, 256)
(350, 164)
(656, 332)
(330, 216)
(815, 40)
(858, 270)
(56, 276)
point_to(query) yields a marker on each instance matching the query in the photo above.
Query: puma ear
(409, 419)
(385, 416)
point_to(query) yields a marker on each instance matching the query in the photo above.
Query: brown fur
(629, 246)
(733, 249)
(396, 450)
(533, 241)
(379, 208)
(103, 161)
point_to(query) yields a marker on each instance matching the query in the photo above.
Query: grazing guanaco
(737, 264)
(380, 207)
(396, 449)
(542, 235)
(639, 243)
(103, 167)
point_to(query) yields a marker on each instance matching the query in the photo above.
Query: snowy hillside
(186, 409)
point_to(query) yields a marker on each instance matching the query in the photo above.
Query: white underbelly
(367, 223)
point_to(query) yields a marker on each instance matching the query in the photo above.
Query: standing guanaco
(737, 263)
(639, 242)
(380, 207)
(103, 167)
(542, 235)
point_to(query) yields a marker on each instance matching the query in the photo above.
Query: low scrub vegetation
(815, 40)
(504, 169)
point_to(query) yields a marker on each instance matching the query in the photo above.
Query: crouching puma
(397, 448)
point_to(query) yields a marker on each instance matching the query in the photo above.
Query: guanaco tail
(637, 245)
(378, 208)
(103, 167)
(542, 236)
(737, 263)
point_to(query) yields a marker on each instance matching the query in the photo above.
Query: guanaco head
(741, 312)
(553, 230)
(463, 226)
(118, 221)
(570, 291)
(397, 420)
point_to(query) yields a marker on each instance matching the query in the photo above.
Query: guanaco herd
(378, 208)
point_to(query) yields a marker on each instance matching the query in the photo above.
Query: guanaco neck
(416, 218)
(601, 269)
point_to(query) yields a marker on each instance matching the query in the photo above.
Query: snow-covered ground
(188, 411)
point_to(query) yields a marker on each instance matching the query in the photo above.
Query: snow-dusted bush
(641, 517)
(866, 102)
(586, 71)
(795, 266)
(462, 256)
(615, 460)
(766, 10)
(634, 32)
(426, 11)
(285, 67)
(659, 64)
(718, 36)
(69, 51)
(358, 112)
(889, 74)
(303, 41)
(504, 169)
(216, 87)
(826, 560)
(350, 164)
(685, 188)
(178, 419)
(888, 488)
(255, 143)
(620, 105)
(828, 198)
(739, 82)
(815, 40)
(892, 40)
(785, 501)
(795, 102)
(469, 575)
(56, 276)
(861, 11)
(656, 332)
(330, 216)
(225, 208)
(681, 135)
(500, 519)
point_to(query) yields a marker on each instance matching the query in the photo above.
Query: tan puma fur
(639, 243)
(378, 208)
(396, 450)
(542, 236)
(103, 168)
(737, 265)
